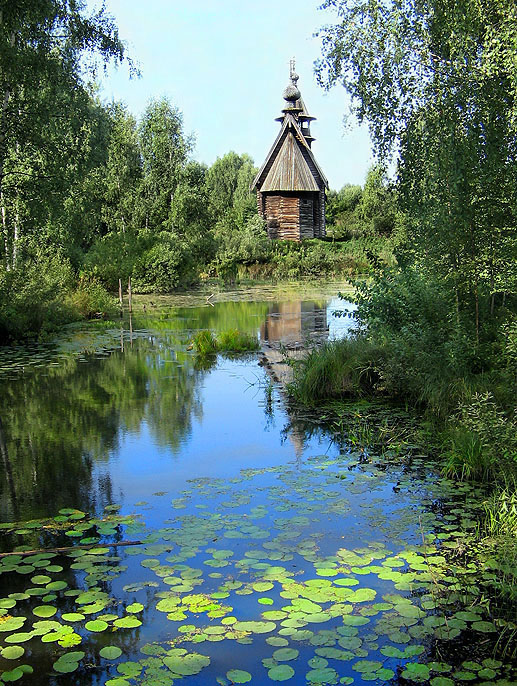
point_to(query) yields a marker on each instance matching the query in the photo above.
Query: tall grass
(236, 342)
(338, 369)
(231, 341)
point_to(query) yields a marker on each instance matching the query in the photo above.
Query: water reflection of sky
(340, 319)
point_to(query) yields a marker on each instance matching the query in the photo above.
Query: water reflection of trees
(56, 424)
(58, 421)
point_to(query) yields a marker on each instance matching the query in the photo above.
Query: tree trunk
(16, 237)
(6, 97)
(5, 237)
(476, 297)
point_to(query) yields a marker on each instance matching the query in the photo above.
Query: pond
(209, 532)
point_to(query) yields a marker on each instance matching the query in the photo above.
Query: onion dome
(291, 93)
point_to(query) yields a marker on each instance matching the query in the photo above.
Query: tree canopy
(436, 81)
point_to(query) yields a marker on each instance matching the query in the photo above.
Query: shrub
(32, 297)
(113, 257)
(90, 299)
(165, 267)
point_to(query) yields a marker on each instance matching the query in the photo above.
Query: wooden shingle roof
(290, 164)
(289, 170)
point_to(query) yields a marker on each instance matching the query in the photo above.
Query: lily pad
(255, 627)
(134, 608)
(12, 624)
(45, 611)
(238, 676)
(126, 623)
(12, 652)
(96, 625)
(110, 652)
(186, 665)
(285, 654)
(414, 671)
(281, 673)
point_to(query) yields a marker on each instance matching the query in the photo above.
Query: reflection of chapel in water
(292, 322)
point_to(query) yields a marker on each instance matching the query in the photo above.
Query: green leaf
(44, 611)
(238, 676)
(96, 625)
(281, 673)
(285, 654)
(110, 652)
(12, 652)
(134, 608)
(416, 672)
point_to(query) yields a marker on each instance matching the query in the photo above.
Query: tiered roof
(290, 164)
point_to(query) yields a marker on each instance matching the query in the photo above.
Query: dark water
(241, 504)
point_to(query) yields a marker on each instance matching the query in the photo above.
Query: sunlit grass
(205, 343)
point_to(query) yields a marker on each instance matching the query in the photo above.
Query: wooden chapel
(290, 185)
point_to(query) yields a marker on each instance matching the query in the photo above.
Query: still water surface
(267, 546)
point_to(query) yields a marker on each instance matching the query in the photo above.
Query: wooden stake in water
(120, 297)
(130, 295)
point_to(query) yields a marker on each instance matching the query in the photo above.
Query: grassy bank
(418, 372)
(472, 415)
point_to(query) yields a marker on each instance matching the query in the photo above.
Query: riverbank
(47, 293)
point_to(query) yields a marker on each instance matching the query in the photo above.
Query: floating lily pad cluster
(315, 570)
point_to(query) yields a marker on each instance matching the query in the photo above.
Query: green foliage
(501, 514)
(37, 299)
(49, 125)
(436, 83)
(164, 149)
(113, 257)
(481, 438)
(205, 343)
(228, 181)
(164, 267)
(122, 173)
(465, 457)
(236, 341)
(30, 297)
(338, 369)
(90, 300)
(354, 212)
(229, 341)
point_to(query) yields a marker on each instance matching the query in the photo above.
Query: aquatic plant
(236, 341)
(205, 343)
(338, 369)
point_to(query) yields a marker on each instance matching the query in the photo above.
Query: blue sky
(224, 64)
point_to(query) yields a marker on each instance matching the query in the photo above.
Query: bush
(483, 440)
(90, 299)
(32, 297)
(165, 267)
(113, 257)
